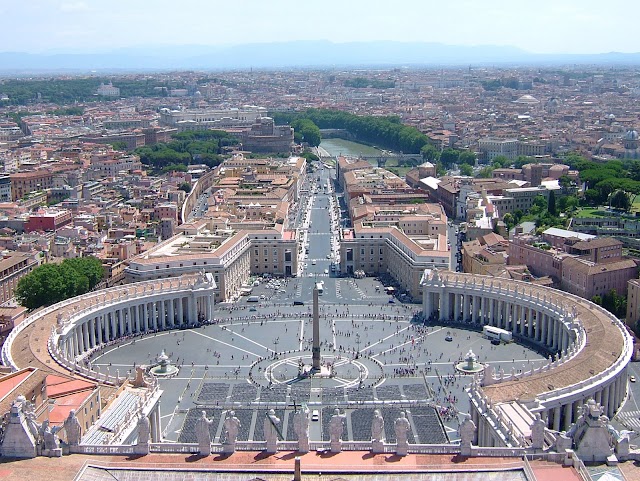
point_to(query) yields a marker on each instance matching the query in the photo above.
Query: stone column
(156, 434)
(567, 416)
(84, 336)
(92, 332)
(483, 309)
(210, 307)
(466, 309)
(172, 312)
(491, 319)
(556, 418)
(428, 304)
(611, 405)
(154, 314)
(121, 321)
(605, 399)
(193, 316)
(456, 306)
(112, 316)
(145, 316)
(74, 337)
(180, 315)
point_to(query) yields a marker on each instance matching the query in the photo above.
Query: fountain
(470, 365)
(164, 367)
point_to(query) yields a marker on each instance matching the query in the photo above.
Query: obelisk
(315, 350)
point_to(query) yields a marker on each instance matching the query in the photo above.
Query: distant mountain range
(294, 54)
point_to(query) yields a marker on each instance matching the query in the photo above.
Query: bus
(496, 334)
(320, 288)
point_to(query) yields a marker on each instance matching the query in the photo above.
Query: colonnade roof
(605, 343)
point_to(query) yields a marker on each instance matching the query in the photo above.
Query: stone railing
(320, 446)
(528, 471)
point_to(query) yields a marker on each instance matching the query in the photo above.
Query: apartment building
(13, 267)
(583, 267)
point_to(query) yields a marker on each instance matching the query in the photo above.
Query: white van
(315, 415)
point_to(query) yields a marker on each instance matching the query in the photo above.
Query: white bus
(497, 334)
(320, 288)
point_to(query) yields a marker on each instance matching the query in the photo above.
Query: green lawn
(590, 212)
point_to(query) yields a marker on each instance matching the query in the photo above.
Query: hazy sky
(543, 26)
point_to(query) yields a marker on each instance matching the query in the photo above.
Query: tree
(308, 130)
(565, 183)
(51, 283)
(430, 153)
(509, 221)
(467, 157)
(486, 172)
(551, 203)
(89, 267)
(119, 145)
(185, 186)
(620, 200)
(466, 169)
(523, 160)
(449, 156)
(500, 162)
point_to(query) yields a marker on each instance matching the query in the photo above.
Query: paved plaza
(376, 353)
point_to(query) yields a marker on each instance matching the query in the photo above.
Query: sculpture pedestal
(229, 448)
(377, 447)
(204, 449)
(52, 453)
(272, 448)
(336, 447)
(402, 449)
(303, 446)
(142, 448)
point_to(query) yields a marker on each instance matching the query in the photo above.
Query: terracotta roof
(597, 243)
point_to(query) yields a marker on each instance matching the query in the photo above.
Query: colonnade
(172, 306)
(543, 316)
(535, 320)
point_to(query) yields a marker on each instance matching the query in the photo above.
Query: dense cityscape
(430, 265)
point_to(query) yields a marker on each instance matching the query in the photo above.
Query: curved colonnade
(590, 348)
(85, 323)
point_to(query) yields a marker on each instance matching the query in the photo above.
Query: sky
(537, 26)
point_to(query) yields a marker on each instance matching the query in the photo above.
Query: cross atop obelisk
(315, 367)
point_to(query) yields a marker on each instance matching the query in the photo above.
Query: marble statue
(377, 427)
(144, 429)
(231, 428)
(467, 436)
(537, 432)
(271, 422)
(50, 436)
(203, 435)
(401, 427)
(336, 428)
(72, 428)
(301, 428)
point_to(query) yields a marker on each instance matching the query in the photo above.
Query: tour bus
(496, 334)
(319, 287)
(253, 299)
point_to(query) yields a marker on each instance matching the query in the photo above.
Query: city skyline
(543, 27)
